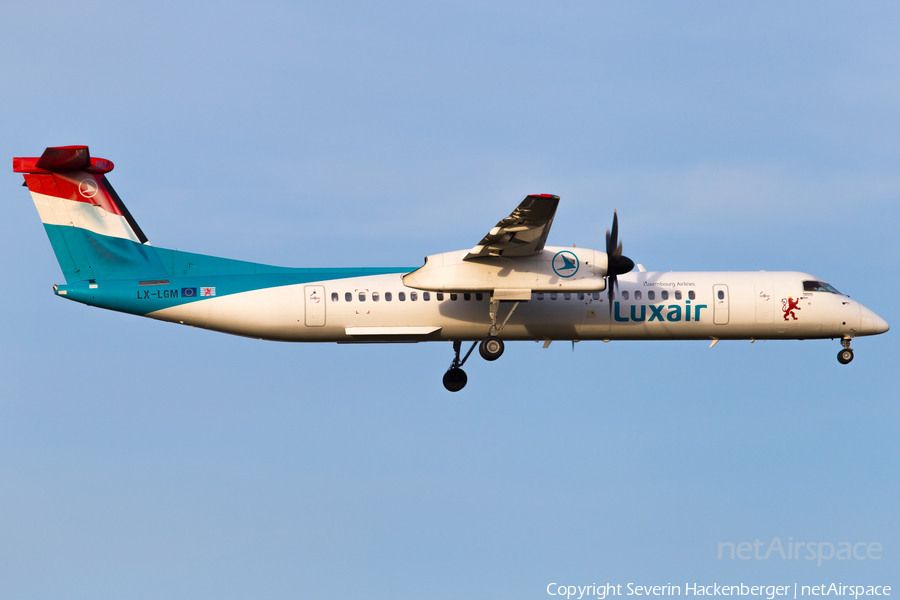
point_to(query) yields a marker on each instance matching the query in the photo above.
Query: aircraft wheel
(490, 348)
(455, 379)
(845, 356)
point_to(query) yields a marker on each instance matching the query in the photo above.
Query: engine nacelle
(555, 269)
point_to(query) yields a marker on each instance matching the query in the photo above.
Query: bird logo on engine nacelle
(565, 263)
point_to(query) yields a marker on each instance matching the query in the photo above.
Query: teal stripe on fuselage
(116, 267)
(188, 264)
(132, 297)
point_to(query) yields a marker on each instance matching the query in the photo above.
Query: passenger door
(315, 305)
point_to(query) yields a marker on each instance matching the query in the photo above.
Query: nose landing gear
(846, 353)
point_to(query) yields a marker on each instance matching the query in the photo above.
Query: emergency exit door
(720, 304)
(315, 305)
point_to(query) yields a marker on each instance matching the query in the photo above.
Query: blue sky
(144, 460)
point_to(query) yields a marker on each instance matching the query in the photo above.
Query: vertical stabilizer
(92, 233)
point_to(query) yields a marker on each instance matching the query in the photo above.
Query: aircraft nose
(871, 324)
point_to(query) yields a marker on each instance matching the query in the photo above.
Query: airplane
(508, 287)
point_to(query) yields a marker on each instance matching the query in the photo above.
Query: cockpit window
(818, 286)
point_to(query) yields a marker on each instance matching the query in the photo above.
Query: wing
(523, 233)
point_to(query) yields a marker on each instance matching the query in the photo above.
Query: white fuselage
(648, 306)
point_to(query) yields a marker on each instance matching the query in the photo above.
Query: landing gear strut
(846, 354)
(491, 347)
(455, 378)
(494, 309)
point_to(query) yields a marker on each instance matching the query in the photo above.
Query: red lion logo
(789, 305)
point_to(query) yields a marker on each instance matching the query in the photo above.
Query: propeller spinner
(617, 264)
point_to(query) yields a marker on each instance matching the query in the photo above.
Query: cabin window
(413, 296)
(362, 296)
(376, 297)
(454, 297)
(664, 294)
(818, 286)
(678, 294)
(348, 297)
(540, 295)
(721, 295)
(595, 295)
(580, 296)
(479, 296)
(638, 295)
(387, 296)
(440, 296)
(553, 295)
(692, 295)
(426, 296)
(567, 295)
(334, 296)
(625, 294)
(401, 296)
(467, 297)
(651, 295)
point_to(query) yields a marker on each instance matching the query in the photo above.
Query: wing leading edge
(523, 232)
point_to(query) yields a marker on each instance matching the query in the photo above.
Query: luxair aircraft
(510, 286)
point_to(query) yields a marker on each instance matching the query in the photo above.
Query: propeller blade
(613, 240)
(616, 263)
(610, 291)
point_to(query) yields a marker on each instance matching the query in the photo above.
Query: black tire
(490, 348)
(845, 356)
(455, 379)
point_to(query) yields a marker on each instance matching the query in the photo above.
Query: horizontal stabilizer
(61, 159)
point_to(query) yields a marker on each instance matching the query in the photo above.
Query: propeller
(617, 264)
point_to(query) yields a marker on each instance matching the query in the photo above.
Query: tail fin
(92, 233)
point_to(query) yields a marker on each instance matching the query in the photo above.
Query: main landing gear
(455, 378)
(490, 348)
(846, 353)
